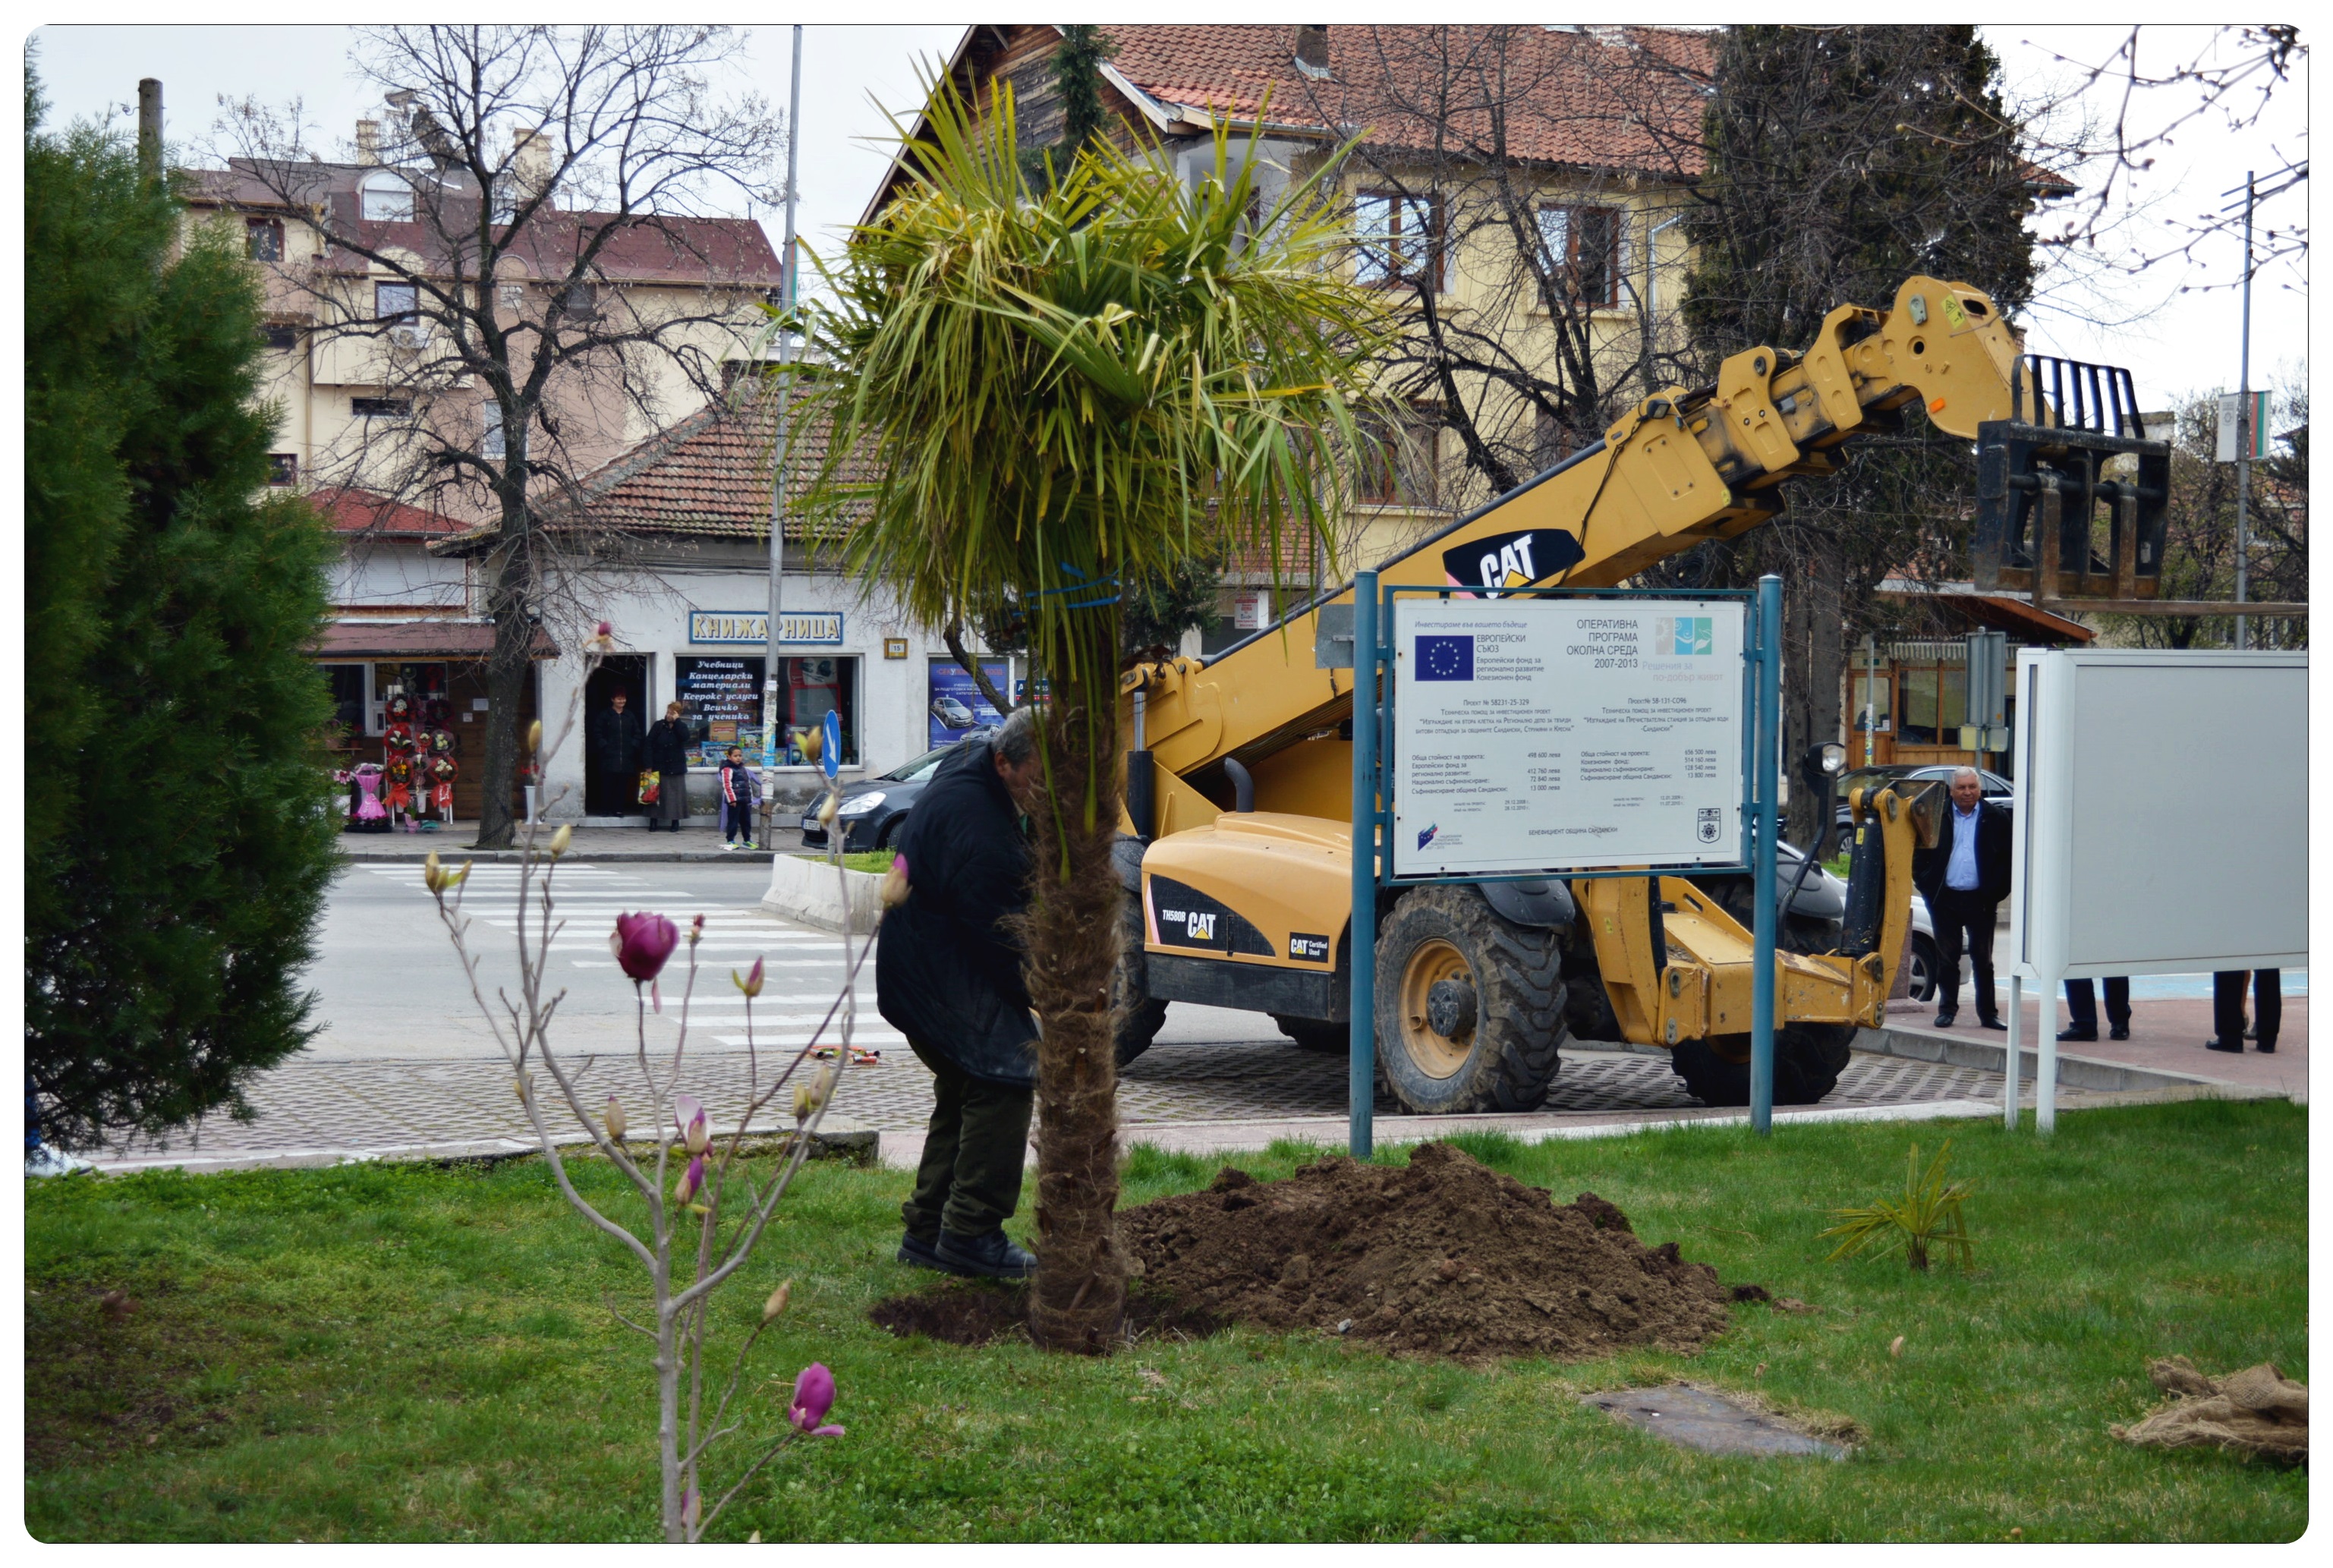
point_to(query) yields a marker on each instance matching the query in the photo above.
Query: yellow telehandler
(1237, 843)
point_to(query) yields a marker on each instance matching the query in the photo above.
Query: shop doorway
(613, 741)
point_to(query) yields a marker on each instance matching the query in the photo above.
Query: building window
(282, 336)
(490, 430)
(380, 407)
(510, 296)
(397, 304)
(347, 684)
(387, 199)
(282, 469)
(1583, 250)
(263, 239)
(721, 701)
(1935, 704)
(1875, 703)
(1399, 239)
(1398, 468)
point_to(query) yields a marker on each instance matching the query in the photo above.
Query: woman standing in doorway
(667, 754)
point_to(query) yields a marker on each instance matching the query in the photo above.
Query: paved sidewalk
(2166, 1035)
(316, 1111)
(697, 840)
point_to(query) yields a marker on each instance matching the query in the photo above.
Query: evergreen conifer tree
(179, 757)
(1842, 161)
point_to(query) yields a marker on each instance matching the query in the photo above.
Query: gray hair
(1969, 773)
(1017, 743)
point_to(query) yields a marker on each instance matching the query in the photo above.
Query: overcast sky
(2175, 343)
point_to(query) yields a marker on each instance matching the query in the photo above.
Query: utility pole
(2244, 421)
(771, 751)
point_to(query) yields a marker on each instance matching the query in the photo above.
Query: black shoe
(2238, 1047)
(919, 1252)
(2119, 1032)
(2066, 1034)
(1944, 1020)
(989, 1256)
(1997, 1024)
(2267, 1050)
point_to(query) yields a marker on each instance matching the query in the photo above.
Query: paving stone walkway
(319, 1108)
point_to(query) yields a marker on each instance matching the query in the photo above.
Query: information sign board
(1565, 735)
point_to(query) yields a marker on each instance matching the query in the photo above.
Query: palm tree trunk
(1072, 947)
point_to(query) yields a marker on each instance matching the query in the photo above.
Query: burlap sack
(2258, 1410)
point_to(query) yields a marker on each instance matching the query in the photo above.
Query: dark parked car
(874, 810)
(1997, 789)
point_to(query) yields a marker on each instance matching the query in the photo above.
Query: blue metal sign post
(1362, 1085)
(1765, 769)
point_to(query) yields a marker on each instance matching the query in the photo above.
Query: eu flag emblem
(1446, 659)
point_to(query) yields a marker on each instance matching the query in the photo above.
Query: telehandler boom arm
(1681, 467)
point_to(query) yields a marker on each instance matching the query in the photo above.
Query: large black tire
(1925, 965)
(1808, 1060)
(1139, 1014)
(1505, 1054)
(1316, 1033)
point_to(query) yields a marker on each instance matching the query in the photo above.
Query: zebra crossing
(804, 969)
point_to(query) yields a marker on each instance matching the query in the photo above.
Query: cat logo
(1200, 927)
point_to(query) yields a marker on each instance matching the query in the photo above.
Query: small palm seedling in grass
(1927, 1217)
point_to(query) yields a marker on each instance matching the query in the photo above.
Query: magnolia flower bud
(803, 1103)
(826, 812)
(894, 891)
(691, 1504)
(534, 738)
(607, 629)
(750, 982)
(524, 1083)
(615, 1118)
(691, 1182)
(561, 839)
(433, 875)
(777, 1301)
(697, 1136)
(696, 930)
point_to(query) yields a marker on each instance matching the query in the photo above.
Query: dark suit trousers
(1963, 924)
(2082, 1004)
(2228, 1005)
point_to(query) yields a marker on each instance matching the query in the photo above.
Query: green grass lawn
(404, 1353)
(877, 860)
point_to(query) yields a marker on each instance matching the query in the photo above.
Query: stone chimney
(1312, 53)
(368, 142)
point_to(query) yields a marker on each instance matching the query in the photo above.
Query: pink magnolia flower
(750, 982)
(813, 1397)
(691, 1182)
(642, 943)
(607, 629)
(688, 1114)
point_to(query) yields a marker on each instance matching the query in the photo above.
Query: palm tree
(1042, 390)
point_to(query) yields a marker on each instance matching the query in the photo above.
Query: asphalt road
(390, 986)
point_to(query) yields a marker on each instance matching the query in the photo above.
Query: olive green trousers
(968, 1182)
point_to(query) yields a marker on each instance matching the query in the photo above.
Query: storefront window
(346, 683)
(1935, 701)
(424, 683)
(1874, 704)
(723, 706)
(953, 705)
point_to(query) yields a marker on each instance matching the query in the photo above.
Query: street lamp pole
(770, 729)
(2245, 434)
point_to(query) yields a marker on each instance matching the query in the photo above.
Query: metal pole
(1870, 695)
(771, 751)
(2045, 1055)
(1361, 1083)
(2244, 429)
(1765, 780)
(2011, 1062)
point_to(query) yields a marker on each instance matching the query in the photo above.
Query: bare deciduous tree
(530, 262)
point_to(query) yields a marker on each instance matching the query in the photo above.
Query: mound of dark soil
(979, 1312)
(1442, 1256)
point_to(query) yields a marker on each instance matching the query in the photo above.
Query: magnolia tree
(695, 1211)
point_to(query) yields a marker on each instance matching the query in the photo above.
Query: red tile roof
(351, 511)
(415, 639)
(706, 477)
(1624, 99)
(731, 251)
